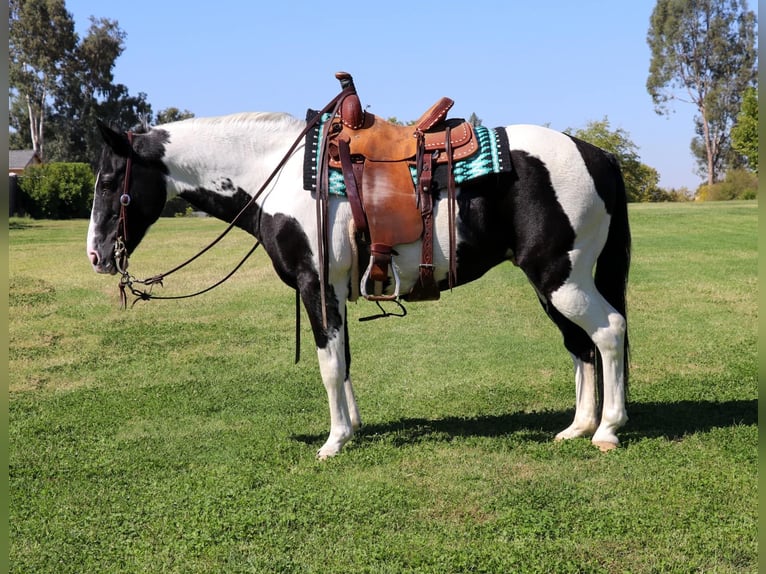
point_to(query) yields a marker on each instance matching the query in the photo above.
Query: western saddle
(381, 162)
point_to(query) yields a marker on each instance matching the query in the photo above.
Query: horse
(560, 215)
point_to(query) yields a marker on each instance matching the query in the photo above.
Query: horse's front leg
(332, 367)
(334, 362)
(353, 410)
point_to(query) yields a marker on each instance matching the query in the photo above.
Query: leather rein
(128, 281)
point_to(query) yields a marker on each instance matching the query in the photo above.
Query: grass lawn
(179, 436)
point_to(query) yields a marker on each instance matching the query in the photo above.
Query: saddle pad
(493, 156)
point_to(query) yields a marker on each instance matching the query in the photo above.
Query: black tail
(613, 265)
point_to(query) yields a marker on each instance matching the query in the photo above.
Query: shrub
(57, 190)
(672, 194)
(739, 184)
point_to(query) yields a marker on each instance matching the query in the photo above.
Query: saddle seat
(376, 157)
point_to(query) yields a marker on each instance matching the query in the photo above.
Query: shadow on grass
(647, 420)
(20, 224)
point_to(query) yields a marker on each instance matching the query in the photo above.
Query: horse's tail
(613, 264)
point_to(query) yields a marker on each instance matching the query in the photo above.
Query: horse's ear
(115, 140)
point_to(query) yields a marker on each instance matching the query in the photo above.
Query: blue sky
(556, 62)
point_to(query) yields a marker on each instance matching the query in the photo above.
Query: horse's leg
(353, 410)
(586, 401)
(579, 301)
(582, 351)
(332, 367)
(334, 359)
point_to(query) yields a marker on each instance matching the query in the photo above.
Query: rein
(128, 281)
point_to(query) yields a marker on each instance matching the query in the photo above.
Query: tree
(88, 92)
(703, 53)
(41, 43)
(641, 181)
(88, 79)
(744, 134)
(68, 81)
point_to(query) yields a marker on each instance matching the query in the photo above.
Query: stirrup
(366, 276)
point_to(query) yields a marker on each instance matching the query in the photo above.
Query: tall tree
(703, 53)
(67, 81)
(41, 43)
(88, 92)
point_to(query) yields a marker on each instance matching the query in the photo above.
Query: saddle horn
(351, 112)
(346, 80)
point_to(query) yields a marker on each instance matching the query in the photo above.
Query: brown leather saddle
(378, 160)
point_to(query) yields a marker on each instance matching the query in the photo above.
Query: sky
(559, 63)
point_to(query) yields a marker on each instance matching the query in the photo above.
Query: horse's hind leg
(583, 353)
(580, 302)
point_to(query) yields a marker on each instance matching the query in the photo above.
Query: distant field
(180, 437)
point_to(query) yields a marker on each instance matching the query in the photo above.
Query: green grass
(180, 437)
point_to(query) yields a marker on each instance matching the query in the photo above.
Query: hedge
(57, 190)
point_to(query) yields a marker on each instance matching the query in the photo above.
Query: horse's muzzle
(105, 265)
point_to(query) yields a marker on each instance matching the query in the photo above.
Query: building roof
(20, 158)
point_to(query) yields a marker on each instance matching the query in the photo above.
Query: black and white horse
(560, 215)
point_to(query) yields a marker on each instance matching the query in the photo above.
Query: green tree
(641, 181)
(67, 81)
(41, 44)
(88, 92)
(703, 53)
(744, 134)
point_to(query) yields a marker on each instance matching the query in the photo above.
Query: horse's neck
(228, 153)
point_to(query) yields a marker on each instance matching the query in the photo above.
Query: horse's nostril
(93, 256)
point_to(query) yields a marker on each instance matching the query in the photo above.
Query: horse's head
(129, 195)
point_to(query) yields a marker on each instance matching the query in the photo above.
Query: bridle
(128, 281)
(120, 247)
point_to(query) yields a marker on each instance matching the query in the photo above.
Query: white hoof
(605, 440)
(333, 446)
(327, 452)
(606, 435)
(605, 446)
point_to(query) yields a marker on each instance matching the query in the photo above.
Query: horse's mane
(151, 145)
(278, 119)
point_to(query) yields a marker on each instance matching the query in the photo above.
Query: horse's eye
(106, 183)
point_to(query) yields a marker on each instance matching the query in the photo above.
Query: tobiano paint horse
(560, 215)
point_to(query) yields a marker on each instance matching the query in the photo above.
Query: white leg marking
(586, 417)
(610, 340)
(332, 365)
(583, 305)
(353, 410)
